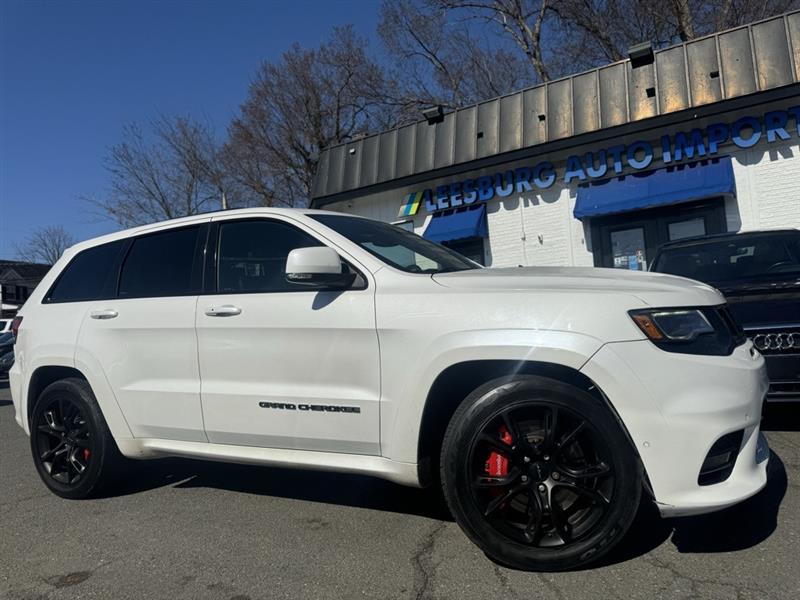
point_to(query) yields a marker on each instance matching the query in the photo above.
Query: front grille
(779, 340)
(720, 460)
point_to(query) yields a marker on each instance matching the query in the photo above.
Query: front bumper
(675, 406)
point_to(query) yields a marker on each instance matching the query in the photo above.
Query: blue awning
(672, 185)
(457, 224)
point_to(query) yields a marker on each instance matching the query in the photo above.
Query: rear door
(143, 336)
(284, 366)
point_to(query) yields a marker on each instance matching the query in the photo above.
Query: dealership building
(599, 168)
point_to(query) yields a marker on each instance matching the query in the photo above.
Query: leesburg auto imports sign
(698, 143)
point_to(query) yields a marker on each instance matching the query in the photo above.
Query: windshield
(400, 248)
(748, 257)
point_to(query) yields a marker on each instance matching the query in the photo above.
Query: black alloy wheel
(72, 447)
(539, 473)
(63, 440)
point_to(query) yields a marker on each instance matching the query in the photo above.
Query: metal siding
(387, 151)
(672, 89)
(702, 56)
(511, 122)
(737, 63)
(559, 109)
(352, 165)
(613, 99)
(534, 103)
(772, 54)
(793, 24)
(640, 80)
(423, 147)
(443, 145)
(405, 151)
(465, 134)
(336, 169)
(369, 161)
(584, 102)
(488, 125)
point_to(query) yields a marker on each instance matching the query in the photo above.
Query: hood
(654, 289)
(761, 304)
(766, 284)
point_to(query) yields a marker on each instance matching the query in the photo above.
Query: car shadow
(311, 486)
(742, 526)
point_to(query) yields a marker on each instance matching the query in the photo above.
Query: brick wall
(767, 186)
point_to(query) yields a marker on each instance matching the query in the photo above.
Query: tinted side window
(91, 275)
(160, 264)
(252, 255)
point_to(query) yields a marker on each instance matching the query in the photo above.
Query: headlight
(686, 330)
(684, 325)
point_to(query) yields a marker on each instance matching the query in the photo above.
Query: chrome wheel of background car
(63, 440)
(539, 476)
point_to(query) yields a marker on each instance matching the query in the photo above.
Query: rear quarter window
(161, 264)
(91, 275)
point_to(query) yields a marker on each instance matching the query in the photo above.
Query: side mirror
(317, 267)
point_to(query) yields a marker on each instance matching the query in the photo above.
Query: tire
(539, 474)
(72, 447)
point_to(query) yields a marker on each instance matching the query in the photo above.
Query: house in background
(17, 282)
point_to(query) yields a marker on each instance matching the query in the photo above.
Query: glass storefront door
(630, 240)
(628, 249)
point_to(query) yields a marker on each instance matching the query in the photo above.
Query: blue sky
(72, 74)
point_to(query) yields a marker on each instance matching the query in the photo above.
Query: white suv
(545, 400)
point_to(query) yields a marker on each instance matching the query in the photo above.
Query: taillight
(15, 327)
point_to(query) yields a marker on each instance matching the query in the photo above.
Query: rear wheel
(539, 474)
(72, 447)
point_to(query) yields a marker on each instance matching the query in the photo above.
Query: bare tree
(308, 100)
(442, 43)
(45, 245)
(441, 61)
(175, 172)
(521, 20)
(200, 154)
(597, 31)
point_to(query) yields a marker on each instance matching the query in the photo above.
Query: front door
(630, 240)
(283, 366)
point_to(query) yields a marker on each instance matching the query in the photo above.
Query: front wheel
(539, 474)
(72, 447)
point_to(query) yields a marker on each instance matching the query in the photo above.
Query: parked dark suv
(759, 274)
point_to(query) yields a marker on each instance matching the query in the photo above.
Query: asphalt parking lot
(188, 529)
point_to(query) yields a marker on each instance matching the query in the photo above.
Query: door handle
(226, 310)
(106, 313)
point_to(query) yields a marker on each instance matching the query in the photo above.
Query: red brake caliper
(497, 463)
(86, 454)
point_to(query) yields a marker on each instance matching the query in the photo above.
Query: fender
(27, 367)
(403, 399)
